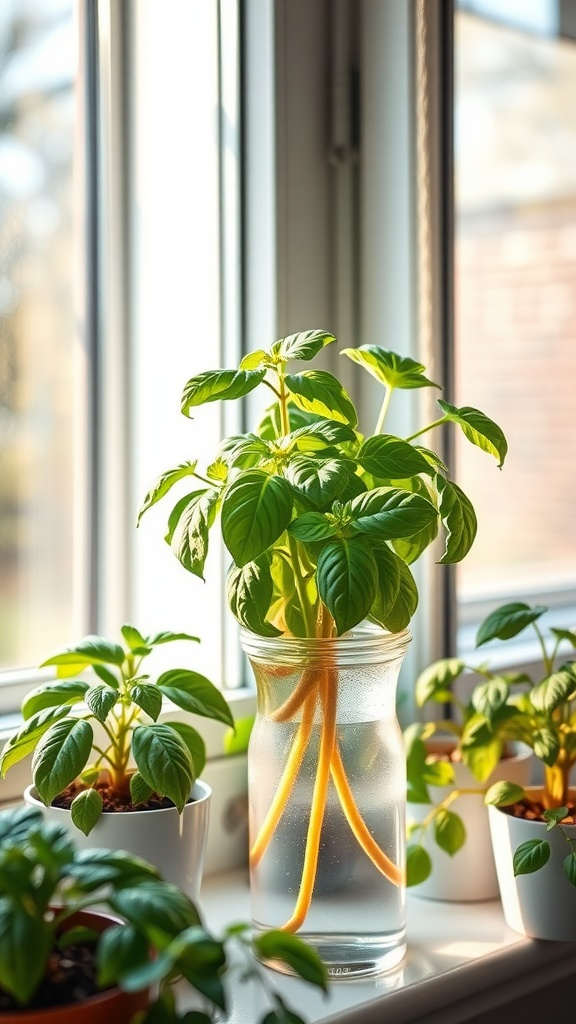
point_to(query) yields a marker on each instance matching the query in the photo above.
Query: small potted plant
(534, 828)
(102, 760)
(97, 935)
(451, 762)
(322, 523)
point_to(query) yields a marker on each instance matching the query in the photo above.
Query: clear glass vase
(327, 796)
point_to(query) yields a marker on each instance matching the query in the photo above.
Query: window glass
(515, 238)
(37, 115)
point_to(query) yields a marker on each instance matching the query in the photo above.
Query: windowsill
(462, 961)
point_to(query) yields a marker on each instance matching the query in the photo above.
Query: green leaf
(163, 485)
(390, 513)
(194, 742)
(148, 697)
(565, 634)
(478, 428)
(449, 831)
(101, 699)
(391, 458)
(531, 856)
(24, 946)
(438, 773)
(312, 527)
(553, 691)
(168, 637)
(256, 510)
(92, 650)
(236, 741)
(481, 749)
(400, 611)
(319, 392)
(245, 450)
(416, 765)
(249, 592)
(219, 385)
(489, 697)
(545, 743)
(507, 621)
(435, 682)
(194, 692)
(60, 756)
(319, 480)
(554, 816)
(570, 867)
(418, 864)
(502, 794)
(156, 908)
(140, 791)
(347, 578)
(164, 762)
(293, 951)
(459, 519)
(389, 368)
(25, 740)
(134, 638)
(85, 810)
(53, 695)
(190, 531)
(106, 676)
(304, 345)
(120, 949)
(254, 360)
(322, 433)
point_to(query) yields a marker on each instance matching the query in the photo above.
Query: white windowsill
(462, 961)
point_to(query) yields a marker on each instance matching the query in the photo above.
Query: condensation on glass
(37, 71)
(515, 289)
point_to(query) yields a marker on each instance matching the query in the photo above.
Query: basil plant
(317, 515)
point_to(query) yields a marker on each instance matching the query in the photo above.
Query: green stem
(383, 410)
(548, 661)
(424, 430)
(307, 610)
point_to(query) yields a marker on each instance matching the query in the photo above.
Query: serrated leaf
(51, 695)
(60, 756)
(478, 428)
(347, 578)
(391, 458)
(194, 692)
(317, 391)
(531, 856)
(219, 385)
(164, 483)
(507, 621)
(249, 592)
(148, 697)
(459, 519)
(101, 699)
(85, 810)
(304, 345)
(502, 794)
(418, 864)
(435, 681)
(449, 831)
(389, 368)
(164, 762)
(256, 510)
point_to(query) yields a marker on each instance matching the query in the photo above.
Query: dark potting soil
(112, 801)
(70, 978)
(533, 810)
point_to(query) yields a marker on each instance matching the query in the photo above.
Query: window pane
(37, 66)
(515, 162)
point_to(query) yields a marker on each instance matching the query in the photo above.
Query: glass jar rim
(366, 642)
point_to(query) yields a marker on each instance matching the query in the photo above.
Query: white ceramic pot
(541, 905)
(174, 843)
(470, 874)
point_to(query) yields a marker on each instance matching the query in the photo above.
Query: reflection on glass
(37, 56)
(515, 162)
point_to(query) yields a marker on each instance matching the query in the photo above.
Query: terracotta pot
(112, 1006)
(541, 905)
(470, 874)
(174, 843)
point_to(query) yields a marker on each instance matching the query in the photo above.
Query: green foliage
(539, 712)
(156, 938)
(316, 516)
(126, 704)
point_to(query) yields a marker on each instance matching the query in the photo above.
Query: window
(515, 244)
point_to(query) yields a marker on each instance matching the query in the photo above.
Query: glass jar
(327, 796)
